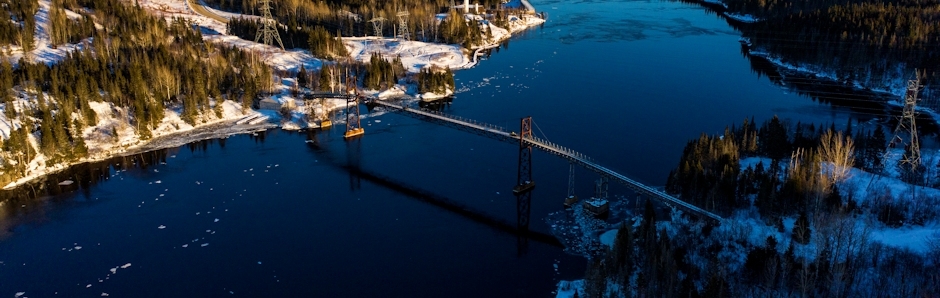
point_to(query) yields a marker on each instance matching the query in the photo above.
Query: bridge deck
(554, 149)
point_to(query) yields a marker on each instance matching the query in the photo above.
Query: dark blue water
(626, 82)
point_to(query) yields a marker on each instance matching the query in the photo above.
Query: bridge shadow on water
(353, 166)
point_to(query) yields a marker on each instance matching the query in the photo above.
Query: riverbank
(113, 136)
(891, 81)
(103, 144)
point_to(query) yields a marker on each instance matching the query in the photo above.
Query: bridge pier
(353, 125)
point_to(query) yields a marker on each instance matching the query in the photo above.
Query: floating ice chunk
(113, 270)
(378, 121)
(125, 266)
(161, 227)
(158, 182)
(259, 262)
(205, 244)
(66, 182)
(156, 171)
(78, 247)
(197, 213)
(18, 294)
(88, 286)
(216, 220)
(103, 294)
(161, 195)
(208, 231)
(185, 245)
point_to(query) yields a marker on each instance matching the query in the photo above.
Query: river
(312, 215)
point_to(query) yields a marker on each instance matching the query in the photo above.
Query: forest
(795, 225)
(351, 18)
(872, 42)
(138, 63)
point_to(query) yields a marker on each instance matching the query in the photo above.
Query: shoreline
(173, 139)
(227, 126)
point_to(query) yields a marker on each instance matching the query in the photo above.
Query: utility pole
(911, 160)
(268, 30)
(377, 23)
(403, 25)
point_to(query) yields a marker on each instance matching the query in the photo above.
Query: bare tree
(839, 152)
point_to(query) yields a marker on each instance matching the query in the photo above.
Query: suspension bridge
(526, 141)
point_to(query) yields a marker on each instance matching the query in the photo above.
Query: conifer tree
(302, 77)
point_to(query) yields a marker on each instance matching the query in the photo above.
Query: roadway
(199, 9)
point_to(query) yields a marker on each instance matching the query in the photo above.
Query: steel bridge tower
(524, 182)
(353, 124)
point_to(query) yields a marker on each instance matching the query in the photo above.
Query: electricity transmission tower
(268, 30)
(377, 23)
(906, 130)
(403, 24)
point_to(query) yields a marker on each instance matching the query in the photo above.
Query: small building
(273, 104)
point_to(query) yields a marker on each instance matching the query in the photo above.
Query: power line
(268, 30)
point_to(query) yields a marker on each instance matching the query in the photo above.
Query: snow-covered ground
(863, 186)
(43, 50)
(744, 18)
(172, 131)
(716, 2)
(102, 144)
(415, 55)
(892, 83)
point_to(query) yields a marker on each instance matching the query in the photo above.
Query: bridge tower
(600, 189)
(571, 199)
(524, 183)
(353, 124)
(268, 30)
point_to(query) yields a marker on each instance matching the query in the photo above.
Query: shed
(273, 104)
